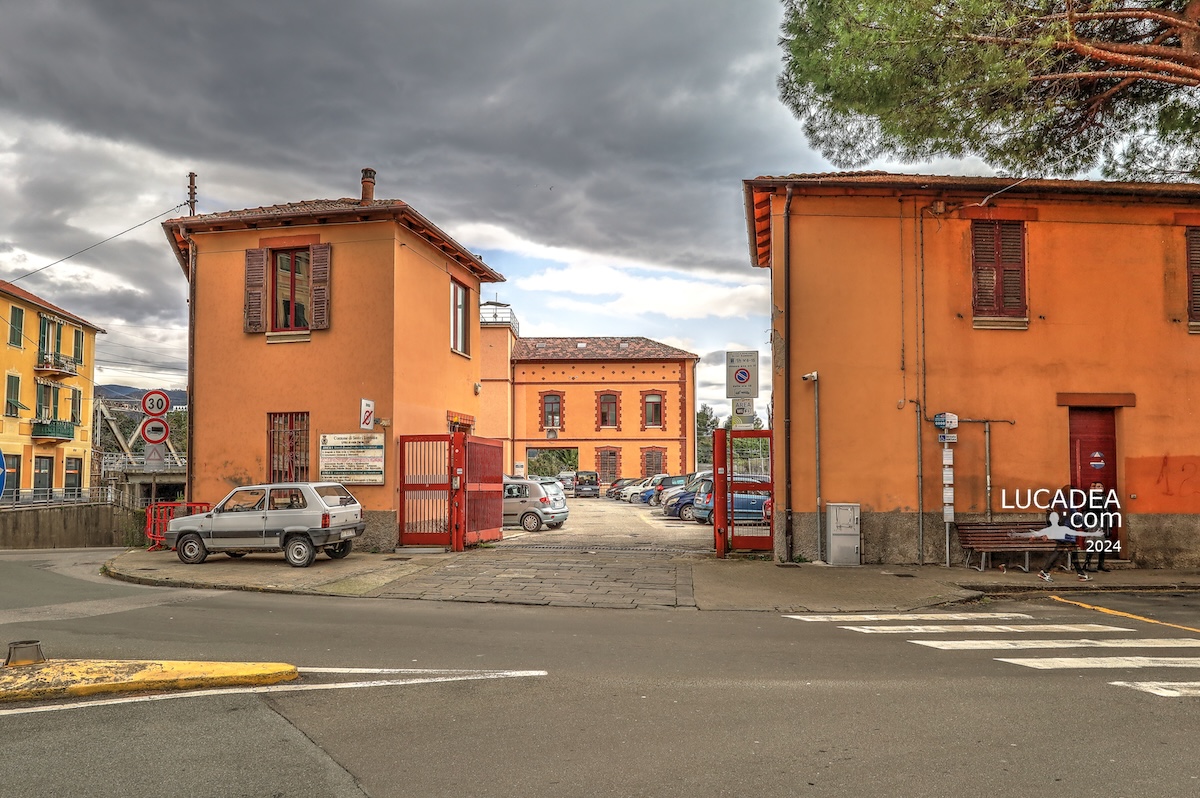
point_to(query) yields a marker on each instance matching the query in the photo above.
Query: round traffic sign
(742, 376)
(155, 403)
(155, 430)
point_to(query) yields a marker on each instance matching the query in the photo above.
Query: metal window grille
(288, 447)
(654, 464)
(607, 464)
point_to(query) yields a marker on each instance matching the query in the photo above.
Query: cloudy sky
(592, 152)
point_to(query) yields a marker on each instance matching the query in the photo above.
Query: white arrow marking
(452, 676)
(915, 616)
(984, 645)
(1033, 627)
(1165, 689)
(1059, 663)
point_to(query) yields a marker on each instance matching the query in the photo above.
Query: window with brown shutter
(998, 273)
(254, 319)
(319, 257)
(293, 294)
(1193, 278)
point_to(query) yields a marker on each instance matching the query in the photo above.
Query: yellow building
(49, 364)
(626, 404)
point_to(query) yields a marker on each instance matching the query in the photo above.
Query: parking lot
(611, 525)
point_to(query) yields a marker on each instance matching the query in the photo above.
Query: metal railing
(499, 314)
(53, 361)
(50, 428)
(57, 496)
(121, 462)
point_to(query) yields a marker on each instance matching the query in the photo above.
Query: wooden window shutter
(320, 286)
(998, 268)
(1193, 272)
(254, 315)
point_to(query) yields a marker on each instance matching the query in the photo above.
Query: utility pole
(191, 193)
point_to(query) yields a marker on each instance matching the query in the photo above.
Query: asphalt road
(631, 703)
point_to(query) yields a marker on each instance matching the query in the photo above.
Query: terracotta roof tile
(322, 211)
(600, 348)
(34, 299)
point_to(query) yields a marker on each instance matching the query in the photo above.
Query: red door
(1093, 433)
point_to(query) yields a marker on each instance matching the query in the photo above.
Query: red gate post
(458, 490)
(720, 490)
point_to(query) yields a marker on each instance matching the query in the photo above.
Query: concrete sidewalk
(621, 580)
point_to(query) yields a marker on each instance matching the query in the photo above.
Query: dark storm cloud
(622, 126)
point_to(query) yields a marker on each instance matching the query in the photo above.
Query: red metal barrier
(159, 513)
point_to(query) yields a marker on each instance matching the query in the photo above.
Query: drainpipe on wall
(787, 377)
(191, 397)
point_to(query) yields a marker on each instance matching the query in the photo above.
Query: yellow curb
(60, 678)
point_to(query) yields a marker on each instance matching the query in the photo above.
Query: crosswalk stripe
(987, 645)
(1060, 663)
(1165, 689)
(1034, 627)
(915, 616)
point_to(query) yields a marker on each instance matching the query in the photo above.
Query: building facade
(626, 404)
(49, 368)
(301, 315)
(1059, 321)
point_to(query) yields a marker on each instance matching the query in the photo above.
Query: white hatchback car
(296, 518)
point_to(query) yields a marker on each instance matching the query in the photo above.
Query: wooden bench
(988, 537)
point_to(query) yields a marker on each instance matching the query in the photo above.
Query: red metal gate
(450, 490)
(730, 478)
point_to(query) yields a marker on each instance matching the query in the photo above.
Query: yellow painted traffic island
(61, 678)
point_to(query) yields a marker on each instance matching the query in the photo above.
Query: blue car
(681, 504)
(748, 499)
(645, 496)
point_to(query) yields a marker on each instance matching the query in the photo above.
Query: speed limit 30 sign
(156, 403)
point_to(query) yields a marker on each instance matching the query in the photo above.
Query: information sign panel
(355, 458)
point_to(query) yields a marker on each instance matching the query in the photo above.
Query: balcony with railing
(53, 430)
(492, 314)
(53, 364)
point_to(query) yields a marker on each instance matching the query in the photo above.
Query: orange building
(628, 405)
(302, 314)
(1058, 320)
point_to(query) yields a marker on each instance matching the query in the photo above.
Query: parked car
(648, 492)
(530, 503)
(587, 484)
(296, 518)
(693, 480)
(617, 484)
(663, 484)
(567, 478)
(633, 489)
(748, 498)
(680, 504)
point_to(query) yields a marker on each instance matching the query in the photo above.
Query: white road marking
(914, 616)
(450, 676)
(1165, 689)
(986, 645)
(1060, 663)
(1033, 627)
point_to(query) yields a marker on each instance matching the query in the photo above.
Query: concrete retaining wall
(1154, 540)
(71, 526)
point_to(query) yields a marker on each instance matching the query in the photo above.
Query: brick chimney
(368, 187)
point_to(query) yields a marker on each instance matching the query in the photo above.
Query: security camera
(812, 375)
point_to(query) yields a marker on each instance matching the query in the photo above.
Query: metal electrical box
(844, 543)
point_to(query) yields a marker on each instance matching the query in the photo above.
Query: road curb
(62, 678)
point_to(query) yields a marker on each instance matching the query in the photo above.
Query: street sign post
(156, 403)
(741, 375)
(155, 430)
(156, 457)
